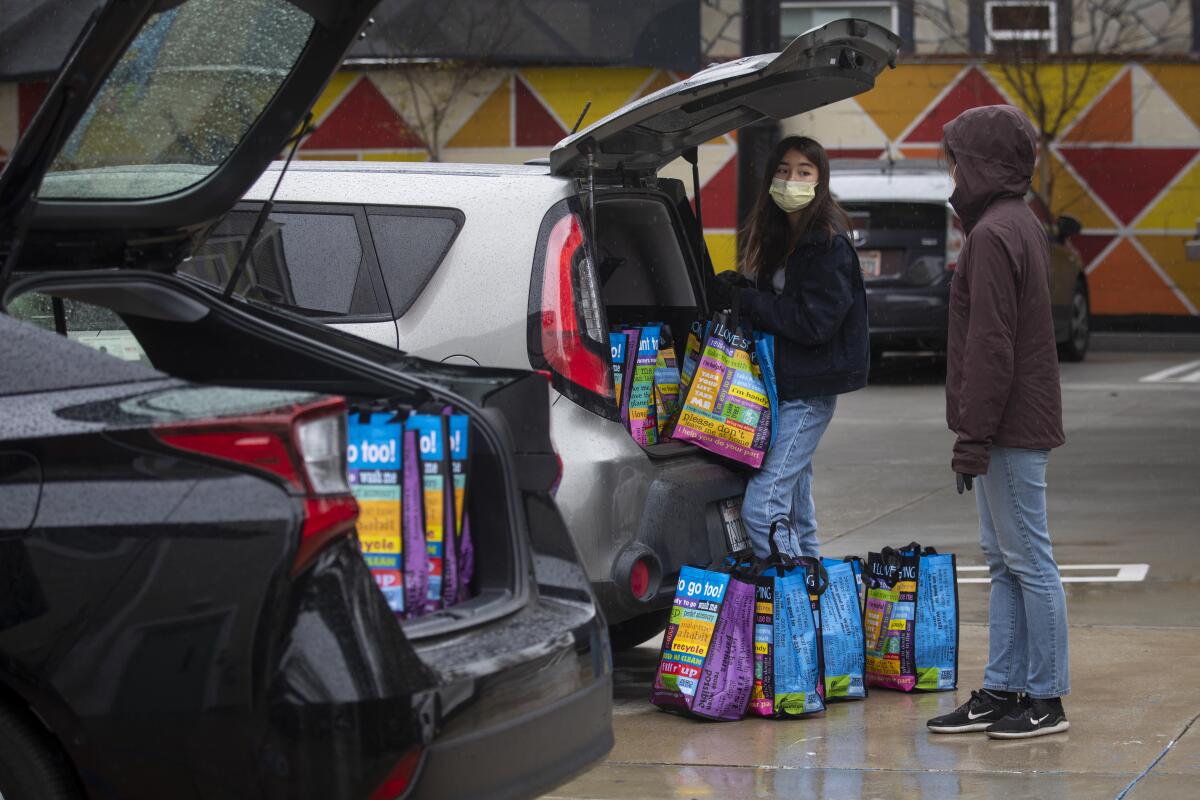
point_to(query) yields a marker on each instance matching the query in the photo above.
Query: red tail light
(400, 778)
(572, 336)
(303, 445)
(955, 238)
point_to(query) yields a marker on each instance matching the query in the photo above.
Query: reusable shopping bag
(439, 509)
(937, 620)
(911, 619)
(374, 442)
(842, 633)
(706, 667)
(888, 622)
(460, 460)
(620, 349)
(787, 643)
(727, 410)
(416, 554)
(691, 355)
(643, 422)
(764, 351)
(666, 383)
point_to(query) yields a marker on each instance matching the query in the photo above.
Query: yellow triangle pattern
(1178, 208)
(1059, 84)
(901, 95)
(1169, 254)
(491, 124)
(566, 91)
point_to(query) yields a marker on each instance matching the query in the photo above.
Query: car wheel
(1080, 331)
(632, 632)
(32, 765)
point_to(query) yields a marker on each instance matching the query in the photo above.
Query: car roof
(906, 180)
(417, 167)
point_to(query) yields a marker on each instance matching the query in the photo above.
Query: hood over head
(994, 150)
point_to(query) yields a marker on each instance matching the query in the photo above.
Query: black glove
(721, 287)
(965, 482)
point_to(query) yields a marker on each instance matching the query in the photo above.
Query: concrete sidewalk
(1135, 693)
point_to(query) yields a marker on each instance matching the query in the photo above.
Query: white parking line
(1125, 573)
(1175, 374)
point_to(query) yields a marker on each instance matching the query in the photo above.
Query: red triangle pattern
(536, 127)
(362, 120)
(1127, 178)
(1090, 245)
(973, 89)
(719, 197)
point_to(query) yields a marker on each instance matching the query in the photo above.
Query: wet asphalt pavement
(1123, 492)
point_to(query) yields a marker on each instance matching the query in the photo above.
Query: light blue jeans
(782, 490)
(1027, 609)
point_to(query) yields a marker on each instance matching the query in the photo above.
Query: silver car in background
(519, 266)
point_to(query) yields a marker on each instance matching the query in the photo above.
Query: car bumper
(523, 756)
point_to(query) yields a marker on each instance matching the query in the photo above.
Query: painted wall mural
(1127, 165)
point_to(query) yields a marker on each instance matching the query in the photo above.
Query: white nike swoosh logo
(973, 716)
(1040, 721)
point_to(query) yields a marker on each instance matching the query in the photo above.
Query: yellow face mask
(792, 195)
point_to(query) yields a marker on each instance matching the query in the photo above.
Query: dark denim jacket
(819, 321)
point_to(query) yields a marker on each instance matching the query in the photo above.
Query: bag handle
(821, 574)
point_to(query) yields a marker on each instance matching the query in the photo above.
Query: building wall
(1127, 162)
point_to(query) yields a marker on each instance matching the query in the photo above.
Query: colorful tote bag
(888, 622)
(706, 667)
(373, 458)
(787, 643)
(936, 646)
(842, 633)
(643, 411)
(727, 410)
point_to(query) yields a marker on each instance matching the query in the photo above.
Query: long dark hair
(766, 236)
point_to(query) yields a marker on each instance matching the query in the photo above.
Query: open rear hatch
(628, 250)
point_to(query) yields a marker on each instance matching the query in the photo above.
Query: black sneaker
(1033, 718)
(977, 714)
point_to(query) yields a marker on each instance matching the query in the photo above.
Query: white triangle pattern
(1157, 119)
(843, 124)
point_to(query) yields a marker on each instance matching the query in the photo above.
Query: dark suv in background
(908, 240)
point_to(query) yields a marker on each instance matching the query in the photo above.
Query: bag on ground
(937, 620)
(787, 643)
(727, 410)
(842, 633)
(706, 667)
(911, 619)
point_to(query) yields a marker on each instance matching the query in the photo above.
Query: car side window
(94, 326)
(410, 244)
(312, 262)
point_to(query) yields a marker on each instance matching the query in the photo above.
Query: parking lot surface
(1124, 504)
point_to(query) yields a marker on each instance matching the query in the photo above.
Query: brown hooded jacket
(1002, 379)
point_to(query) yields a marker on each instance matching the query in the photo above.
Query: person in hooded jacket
(1004, 405)
(799, 278)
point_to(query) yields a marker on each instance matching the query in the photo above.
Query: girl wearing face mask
(799, 278)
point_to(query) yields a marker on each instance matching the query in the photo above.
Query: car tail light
(571, 334)
(955, 238)
(304, 446)
(639, 578)
(400, 778)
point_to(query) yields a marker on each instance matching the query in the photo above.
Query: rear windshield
(898, 216)
(185, 92)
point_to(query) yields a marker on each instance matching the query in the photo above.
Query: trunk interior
(175, 333)
(647, 272)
